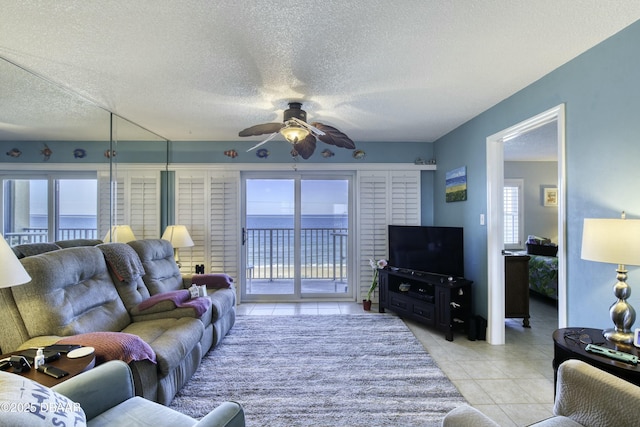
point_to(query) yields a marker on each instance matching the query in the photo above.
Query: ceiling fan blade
(306, 147)
(312, 128)
(269, 138)
(261, 129)
(333, 136)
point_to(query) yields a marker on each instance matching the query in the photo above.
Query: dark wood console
(516, 288)
(431, 299)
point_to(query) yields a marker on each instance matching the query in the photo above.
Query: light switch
(481, 219)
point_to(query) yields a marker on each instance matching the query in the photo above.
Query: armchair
(106, 394)
(585, 396)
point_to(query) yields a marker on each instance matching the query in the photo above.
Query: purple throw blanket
(213, 280)
(113, 346)
(180, 299)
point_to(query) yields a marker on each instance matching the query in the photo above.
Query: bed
(543, 275)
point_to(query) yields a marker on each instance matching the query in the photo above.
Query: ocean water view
(306, 221)
(253, 221)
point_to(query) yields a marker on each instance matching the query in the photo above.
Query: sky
(264, 196)
(276, 196)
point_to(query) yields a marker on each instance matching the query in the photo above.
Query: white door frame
(495, 220)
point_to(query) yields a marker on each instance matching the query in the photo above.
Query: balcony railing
(323, 253)
(270, 251)
(41, 235)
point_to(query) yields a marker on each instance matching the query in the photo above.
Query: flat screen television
(428, 249)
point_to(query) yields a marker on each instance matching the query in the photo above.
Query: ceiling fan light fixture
(293, 132)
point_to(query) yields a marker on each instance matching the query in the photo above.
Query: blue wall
(601, 93)
(209, 152)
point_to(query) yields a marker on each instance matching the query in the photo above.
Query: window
(513, 214)
(48, 208)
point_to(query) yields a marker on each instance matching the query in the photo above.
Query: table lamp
(119, 234)
(179, 237)
(13, 273)
(615, 241)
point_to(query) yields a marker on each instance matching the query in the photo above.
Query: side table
(72, 366)
(569, 343)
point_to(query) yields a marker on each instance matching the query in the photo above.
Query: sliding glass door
(296, 237)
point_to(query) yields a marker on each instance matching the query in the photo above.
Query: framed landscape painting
(456, 185)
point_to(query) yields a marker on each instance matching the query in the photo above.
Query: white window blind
(192, 203)
(143, 206)
(383, 198)
(225, 224)
(136, 203)
(105, 214)
(513, 215)
(207, 203)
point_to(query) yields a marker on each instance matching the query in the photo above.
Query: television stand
(431, 299)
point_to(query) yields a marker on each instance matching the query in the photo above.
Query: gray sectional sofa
(98, 295)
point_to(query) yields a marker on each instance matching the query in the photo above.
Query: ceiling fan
(299, 133)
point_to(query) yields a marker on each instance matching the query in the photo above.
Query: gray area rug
(343, 370)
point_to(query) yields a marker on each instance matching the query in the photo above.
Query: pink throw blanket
(113, 346)
(180, 299)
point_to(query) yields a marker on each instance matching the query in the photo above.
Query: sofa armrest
(467, 416)
(591, 396)
(100, 388)
(187, 280)
(228, 414)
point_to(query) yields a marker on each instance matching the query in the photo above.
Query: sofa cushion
(30, 249)
(113, 346)
(24, 402)
(70, 293)
(162, 272)
(171, 339)
(72, 243)
(222, 301)
(557, 421)
(132, 411)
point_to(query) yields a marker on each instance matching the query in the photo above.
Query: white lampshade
(615, 241)
(178, 235)
(12, 271)
(119, 234)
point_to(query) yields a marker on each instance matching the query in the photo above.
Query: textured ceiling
(407, 70)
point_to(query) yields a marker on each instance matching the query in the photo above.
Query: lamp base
(618, 336)
(176, 258)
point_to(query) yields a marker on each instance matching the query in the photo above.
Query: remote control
(52, 371)
(613, 354)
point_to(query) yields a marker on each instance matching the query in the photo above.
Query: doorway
(495, 215)
(296, 237)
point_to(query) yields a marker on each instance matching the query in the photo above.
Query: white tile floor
(512, 384)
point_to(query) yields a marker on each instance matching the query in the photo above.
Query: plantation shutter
(207, 203)
(191, 211)
(384, 197)
(405, 198)
(136, 203)
(105, 216)
(513, 218)
(225, 224)
(143, 207)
